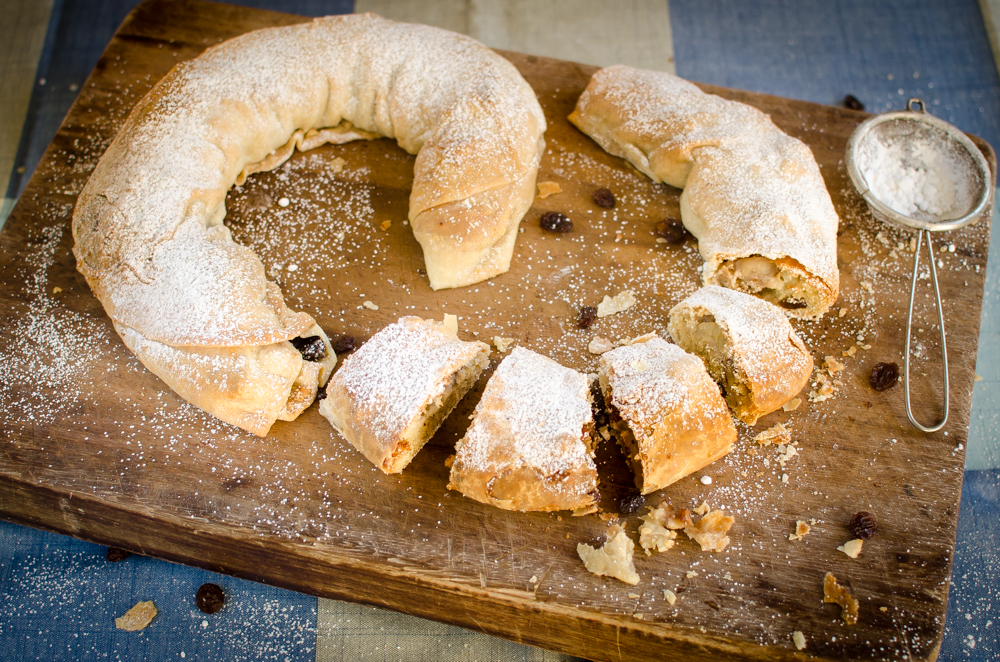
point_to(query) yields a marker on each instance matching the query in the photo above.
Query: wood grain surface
(96, 447)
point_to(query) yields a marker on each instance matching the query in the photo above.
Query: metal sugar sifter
(918, 172)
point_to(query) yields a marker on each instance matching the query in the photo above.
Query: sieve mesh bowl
(921, 142)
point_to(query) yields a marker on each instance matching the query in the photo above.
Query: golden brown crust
(747, 345)
(749, 189)
(668, 413)
(148, 225)
(529, 445)
(390, 396)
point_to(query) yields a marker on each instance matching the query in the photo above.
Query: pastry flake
(613, 559)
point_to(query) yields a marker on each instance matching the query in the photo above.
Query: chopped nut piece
(385, 225)
(137, 617)
(776, 434)
(669, 596)
(851, 352)
(799, 640)
(792, 405)
(801, 529)
(370, 305)
(600, 345)
(502, 344)
(613, 559)
(710, 531)
(834, 592)
(852, 548)
(612, 305)
(545, 189)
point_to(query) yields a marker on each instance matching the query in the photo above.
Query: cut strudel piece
(529, 446)
(748, 347)
(665, 410)
(390, 396)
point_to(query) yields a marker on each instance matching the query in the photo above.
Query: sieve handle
(909, 324)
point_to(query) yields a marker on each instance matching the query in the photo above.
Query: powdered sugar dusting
(763, 342)
(750, 189)
(536, 411)
(402, 368)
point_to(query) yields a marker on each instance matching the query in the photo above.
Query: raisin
(312, 348)
(851, 101)
(793, 304)
(673, 231)
(884, 376)
(587, 316)
(116, 554)
(321, 394)
(344, 344)
(210, 598)
(553, 221)
(604, 198)
(630, 503)
(863, 525)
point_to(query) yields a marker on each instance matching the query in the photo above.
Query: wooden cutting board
(96, 447)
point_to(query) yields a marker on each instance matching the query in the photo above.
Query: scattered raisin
(863, 525)
(673, 231)
(587, 316)
(851, 101)
(321, 394)
(884, 376)
(312, 348)
(604, 198)
(210, 598)
(553, 221)
(116, 554)
(344, 344)
(631, 503)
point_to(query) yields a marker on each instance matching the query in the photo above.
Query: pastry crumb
(619, 303)
(851, 352)
(654, 534)
(385, 225)
(669, 596)
(852, 547)
(600, 345)
(56, 290)
(533, 580)
(613, 559)
(502, 344)
(801, 530)
(370, 305)
(792, 404)
(710, 531)
(450, 322)
(691, 574)
(702, 509)
(834, 592)
(799, 640)
(776, 434)
(137, 617)
(545, 189)
(833, 366)
(634, 596)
